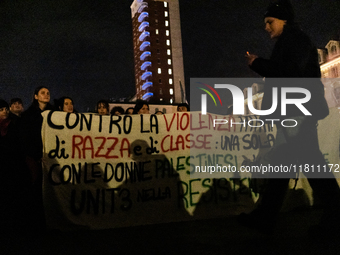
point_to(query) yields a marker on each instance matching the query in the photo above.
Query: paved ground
(216, 236)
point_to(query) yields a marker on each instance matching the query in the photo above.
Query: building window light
(170, 71)
(168, 51)
(156, 31)
(166, 23)
(159, 70)
(165, 14)
(171, 91)
(160, 91)
(170, 81)
(161, 99)
(165, 4)
(168, 42)
(156, 21)
(167, 32)
(171, 100)
(169, 61)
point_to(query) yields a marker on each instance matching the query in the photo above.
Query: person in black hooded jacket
(294, 57)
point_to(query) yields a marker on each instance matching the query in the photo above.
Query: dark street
(214, 236)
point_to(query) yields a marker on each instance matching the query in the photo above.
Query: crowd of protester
(21, 153)
(21, 147)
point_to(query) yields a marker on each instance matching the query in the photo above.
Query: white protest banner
(117, 171)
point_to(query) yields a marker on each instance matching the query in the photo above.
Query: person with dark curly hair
(141, 107)
(129, 110)
(65, 104)
(102, 107)
(117, 110)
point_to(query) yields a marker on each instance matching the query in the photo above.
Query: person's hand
(251, 58)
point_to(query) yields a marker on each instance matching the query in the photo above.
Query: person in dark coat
(14, 188)
(294, 56)
(31, 123)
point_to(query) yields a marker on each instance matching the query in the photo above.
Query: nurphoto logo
(238, 99)
(219, 95)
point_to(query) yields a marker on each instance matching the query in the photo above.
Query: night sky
(83, 48)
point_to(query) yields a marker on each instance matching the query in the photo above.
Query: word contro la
(116, 124)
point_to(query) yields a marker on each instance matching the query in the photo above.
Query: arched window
(333, 50)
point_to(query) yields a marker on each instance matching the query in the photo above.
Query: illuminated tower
(158, 58)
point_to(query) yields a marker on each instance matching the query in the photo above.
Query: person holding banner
(31, 124)
(184, 107)
(65, 104)
(33, 150)
(129, 110)
(141, 107)
(103, 107)
(117, 110)
(293, 56)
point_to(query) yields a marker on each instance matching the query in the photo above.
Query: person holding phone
(293, 56)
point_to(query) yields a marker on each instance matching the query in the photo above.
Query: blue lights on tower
(144, 48)
(147, 95)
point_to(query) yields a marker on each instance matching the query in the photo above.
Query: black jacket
(294, 56)
(31, 123)
(31, 132)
